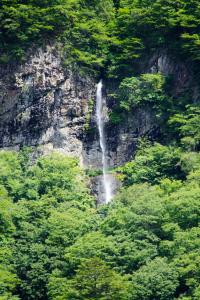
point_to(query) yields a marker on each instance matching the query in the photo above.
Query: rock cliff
(45, 105)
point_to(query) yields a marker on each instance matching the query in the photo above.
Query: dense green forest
(54, 242)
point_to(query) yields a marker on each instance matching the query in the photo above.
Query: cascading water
(100, 123)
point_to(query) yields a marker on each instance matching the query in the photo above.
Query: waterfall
(100, 124)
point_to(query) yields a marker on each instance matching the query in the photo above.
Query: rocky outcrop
(50, 108)
(122, 139)
(44, 105)
(180, 73)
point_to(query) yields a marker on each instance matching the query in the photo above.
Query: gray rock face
(121, 139)
(181, 72)
(43, 105)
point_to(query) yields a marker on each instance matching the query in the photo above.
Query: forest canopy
(101, 35)
(55, 244)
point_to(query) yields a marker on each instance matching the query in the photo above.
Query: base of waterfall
(98, 188)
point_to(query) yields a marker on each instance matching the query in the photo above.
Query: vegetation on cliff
(101, 34)
(54, 242)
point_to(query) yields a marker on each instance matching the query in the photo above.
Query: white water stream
(100, 123)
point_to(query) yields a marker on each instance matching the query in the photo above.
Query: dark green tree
(93, 280)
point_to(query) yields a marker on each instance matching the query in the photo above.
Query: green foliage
(184, 206)
(49, 176)
(148, 91)
(157, 280)
(148, 88)
(187, 125)
(25, 22)
(49, 195)
(8, 277)
(116, 116)
(93, 172)
(101, 35)
(87, 39)
(81, 26)
(55, 245)
(8, 282)
(152, 164)
(162, 23)
(6, 224)
(191, 45)
(175, 224)
(93, 280)
(190, 161)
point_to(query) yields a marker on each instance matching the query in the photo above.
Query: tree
(8, 277)
(157, 280)
(148, 88)
(52, 209)
(94, 280)
(152, 164)
(187, 126)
